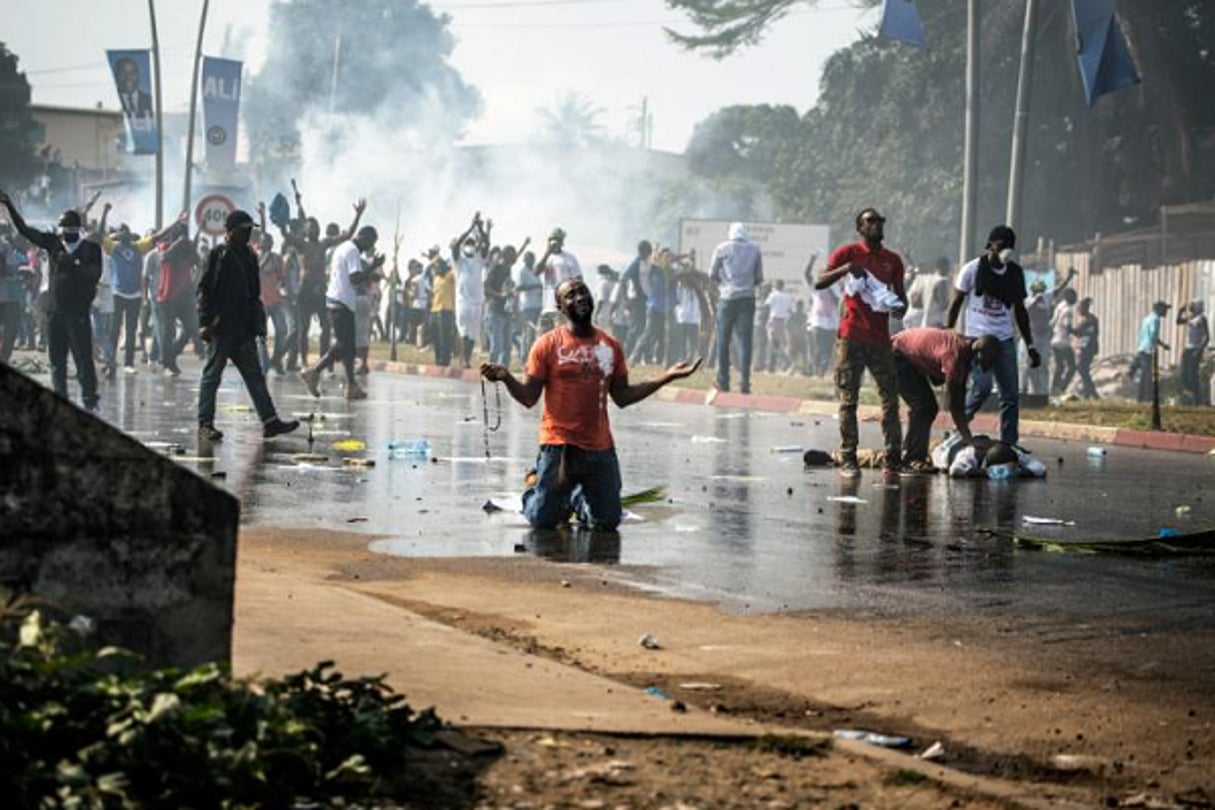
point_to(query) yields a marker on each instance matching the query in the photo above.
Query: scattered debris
(359, 462)
(649, 642)
(1096, 451)
(934, 752)
(1182, 511)
(490, 507)
(309, 457)
(349, 445)
(654, 691)
(356, 520)
(565, 583)
(846, 499)
(520, 548)
(872, 738)
(462, 743)
(787, 448)
(679, 707)
(219, 474)
(708, 440)
(700, 686)
(1030, 520)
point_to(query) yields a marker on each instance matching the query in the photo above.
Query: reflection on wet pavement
(744, 524)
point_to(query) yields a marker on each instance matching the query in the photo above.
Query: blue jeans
(243, 354)
(1004, 373)
(735, 317)
(590, 489)
(498, 324)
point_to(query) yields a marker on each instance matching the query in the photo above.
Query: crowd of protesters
(327, 289)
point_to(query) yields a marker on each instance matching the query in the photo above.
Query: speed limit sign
(211, 212)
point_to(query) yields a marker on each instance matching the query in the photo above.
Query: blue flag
(1105, 61)
(221, 106)
(900, 21)
(132, 76)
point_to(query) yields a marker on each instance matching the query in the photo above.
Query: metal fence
(1123, 296)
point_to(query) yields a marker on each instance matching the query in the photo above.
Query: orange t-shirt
(577, 374)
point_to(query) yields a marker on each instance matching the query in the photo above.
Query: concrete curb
(987, 423)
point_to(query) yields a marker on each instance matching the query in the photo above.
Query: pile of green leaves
(84, 728)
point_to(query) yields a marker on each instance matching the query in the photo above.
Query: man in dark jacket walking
(231, 318)
(75, 268)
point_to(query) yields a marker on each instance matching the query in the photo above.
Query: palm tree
(572, 122)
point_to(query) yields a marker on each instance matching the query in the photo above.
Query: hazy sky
(521, 55)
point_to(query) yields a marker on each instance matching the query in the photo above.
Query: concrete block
(98, 524)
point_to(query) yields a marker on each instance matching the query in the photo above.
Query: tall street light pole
(202, 27)
(971, 149)
(1016, 166)
(160, 122)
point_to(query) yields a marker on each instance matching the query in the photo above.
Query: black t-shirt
(495, 285)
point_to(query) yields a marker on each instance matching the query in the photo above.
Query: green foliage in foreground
(86, 729)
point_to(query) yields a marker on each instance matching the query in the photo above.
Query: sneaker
(208, 433)
(277, 427)
(355, 391)
(849, 469)
(312, 380)
(130, 371)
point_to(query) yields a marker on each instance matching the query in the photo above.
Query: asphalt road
(743, 525)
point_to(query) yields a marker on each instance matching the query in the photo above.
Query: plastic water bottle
(1000, 472)
(418, 448)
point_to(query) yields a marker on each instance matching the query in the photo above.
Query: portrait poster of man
(132, 77)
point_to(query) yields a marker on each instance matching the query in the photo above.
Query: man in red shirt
(927, 357)
(576, 366)
(873, 290)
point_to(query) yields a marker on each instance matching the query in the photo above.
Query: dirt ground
(1040, 712)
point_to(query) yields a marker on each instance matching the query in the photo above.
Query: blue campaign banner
(133, 78)
(901, 22)
(1105, 61)
(221, 106)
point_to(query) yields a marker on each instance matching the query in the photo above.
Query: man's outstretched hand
(681, 370)
(494, 372)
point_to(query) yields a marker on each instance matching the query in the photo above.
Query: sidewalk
(983, 422)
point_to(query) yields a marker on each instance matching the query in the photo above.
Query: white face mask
(468, 251)
(1006, 255)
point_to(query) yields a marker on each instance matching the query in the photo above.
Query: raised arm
(359, 208)
(808, 273)
(100, 234)
(459, 240)
(625, 394)
(46, 241)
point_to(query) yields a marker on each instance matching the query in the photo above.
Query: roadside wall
(99, 525)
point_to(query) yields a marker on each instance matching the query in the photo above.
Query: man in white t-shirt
(555, 266)
(469, 251)
(992, 288)
(823, 323)
(345, 270)
(779, 304)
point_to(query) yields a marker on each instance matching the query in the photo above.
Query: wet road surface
(744, 526)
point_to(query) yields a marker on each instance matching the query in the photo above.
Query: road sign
(211, 212)
(785, 247)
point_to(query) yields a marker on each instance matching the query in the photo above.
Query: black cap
(238, 219)
(70, 219)
(1004, 234)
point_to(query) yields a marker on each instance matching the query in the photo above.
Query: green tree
(391, 55)
(745, 141)
(18, 129)
(887, 127)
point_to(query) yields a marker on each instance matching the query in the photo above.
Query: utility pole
(160, 121)
(202, 27)
(1016, 164)
(971, 149)
(337, 63)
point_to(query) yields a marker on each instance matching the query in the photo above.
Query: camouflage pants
(851, 360)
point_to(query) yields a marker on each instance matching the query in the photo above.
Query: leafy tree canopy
(18, 129)
(887, 128)
(391, 54)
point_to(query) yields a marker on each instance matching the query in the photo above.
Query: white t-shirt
(687, 306)
(825, 308)
(985, 315)
(344, 261)
(558, 268)
(1061, 325)
(470, 281)
(779, 304)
